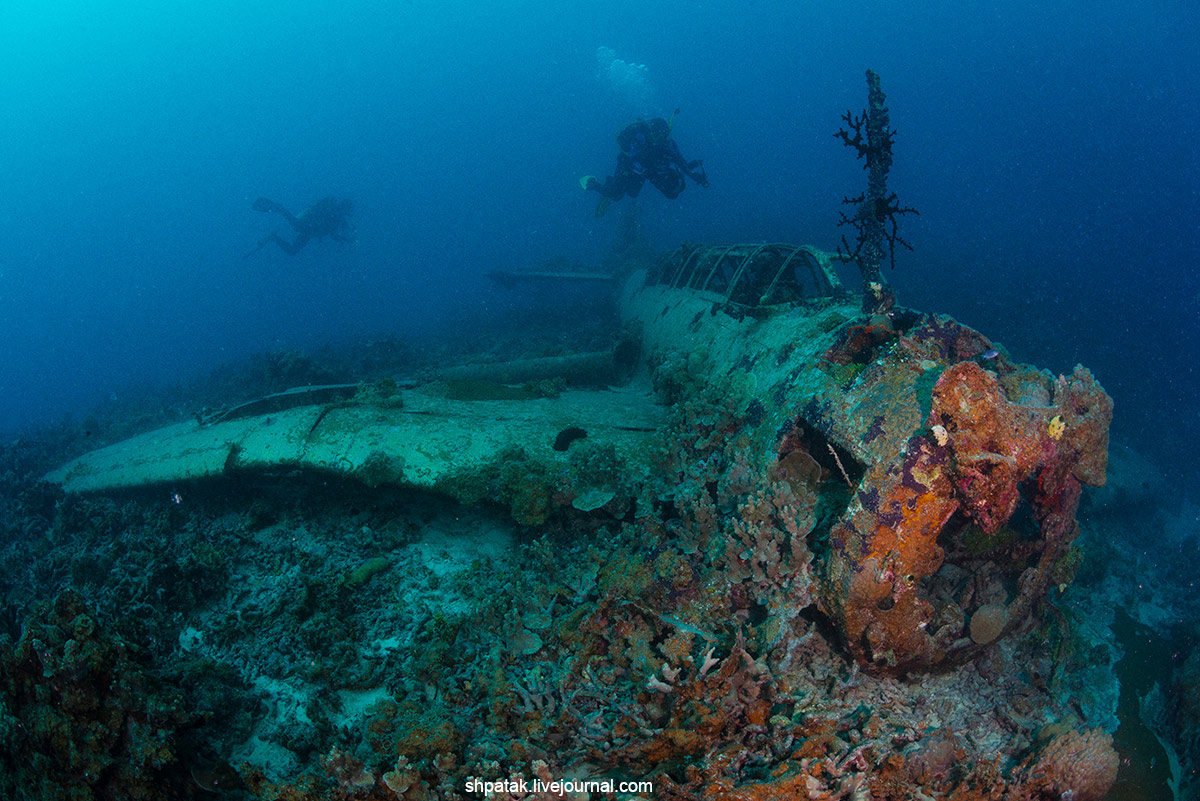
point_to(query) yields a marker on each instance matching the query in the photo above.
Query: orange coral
(877, 571)
(979, 464)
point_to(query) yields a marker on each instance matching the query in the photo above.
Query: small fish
(988, 355)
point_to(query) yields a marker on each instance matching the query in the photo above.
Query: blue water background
(1051, 149)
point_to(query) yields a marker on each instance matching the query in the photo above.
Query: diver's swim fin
(585, 183)
(262, 243)
(602, 207)
(256, 248)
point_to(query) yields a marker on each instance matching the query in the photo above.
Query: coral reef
(836, 572)
(80, 718)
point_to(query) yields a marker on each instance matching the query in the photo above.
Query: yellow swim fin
(583, 182)
(602, 206)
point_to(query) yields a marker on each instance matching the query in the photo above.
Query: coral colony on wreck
(783, 539)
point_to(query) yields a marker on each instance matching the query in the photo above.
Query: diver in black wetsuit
(329, 216)
(647, 153)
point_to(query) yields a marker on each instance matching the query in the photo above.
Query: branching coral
(767, 546)
(871, 136)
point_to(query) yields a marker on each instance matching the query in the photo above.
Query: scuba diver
(329, 216)
(647, 153)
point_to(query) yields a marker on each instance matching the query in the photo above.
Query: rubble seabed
(831, 583)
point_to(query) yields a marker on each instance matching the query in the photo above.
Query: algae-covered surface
(416, 439)
(798, 553)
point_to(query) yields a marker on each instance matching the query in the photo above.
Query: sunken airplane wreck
(798, 504)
